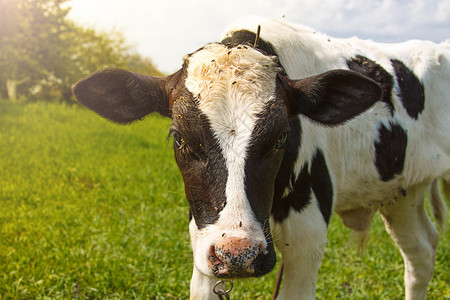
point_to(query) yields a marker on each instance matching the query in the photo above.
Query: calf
(272, 133)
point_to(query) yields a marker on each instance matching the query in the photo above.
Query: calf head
(230, 108)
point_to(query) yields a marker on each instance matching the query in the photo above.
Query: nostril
(262, 249)
(213, 256)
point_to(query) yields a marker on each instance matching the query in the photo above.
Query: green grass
(94, 210)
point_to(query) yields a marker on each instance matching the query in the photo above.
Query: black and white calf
(257, 140)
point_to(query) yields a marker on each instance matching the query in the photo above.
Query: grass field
(94, 210)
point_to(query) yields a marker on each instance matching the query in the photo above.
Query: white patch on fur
(232, 87)
(201, 282)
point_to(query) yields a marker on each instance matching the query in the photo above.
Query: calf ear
(123, 96)
(331, 98)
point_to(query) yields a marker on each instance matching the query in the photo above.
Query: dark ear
(331, 98)
(123, 96)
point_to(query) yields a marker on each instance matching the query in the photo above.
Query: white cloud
(165, 30)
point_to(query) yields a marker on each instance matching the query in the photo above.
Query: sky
(166, 30)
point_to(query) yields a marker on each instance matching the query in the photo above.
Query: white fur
(301, 240)
(349, 148)
(201, 284)
(410, 227)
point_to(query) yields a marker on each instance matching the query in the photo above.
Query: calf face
(230, 108)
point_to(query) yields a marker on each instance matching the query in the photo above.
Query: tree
(140, 64)
(85, 52)
(43, 53)
(29, 41)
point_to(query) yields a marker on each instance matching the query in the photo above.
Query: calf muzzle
(235, 257)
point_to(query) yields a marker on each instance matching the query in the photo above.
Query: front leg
(202, 286)
(301, 238)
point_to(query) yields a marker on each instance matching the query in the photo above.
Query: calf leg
(410, 227)
(301, 238)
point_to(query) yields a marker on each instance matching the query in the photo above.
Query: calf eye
(184, 148)
(281, 141)
(180, 143)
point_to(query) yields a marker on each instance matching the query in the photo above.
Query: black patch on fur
(298, 198)
(371, 69)
(317, 180)
(411, 91)
(247, 38)
(201, 161)
(285, 178)
(264, 160)
(261, 169)
(321, 185)
(390, 150)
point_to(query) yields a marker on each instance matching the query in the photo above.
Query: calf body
(270, 139)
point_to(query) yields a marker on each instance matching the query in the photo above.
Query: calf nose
(234, 257)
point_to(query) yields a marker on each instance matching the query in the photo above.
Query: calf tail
(438, 205)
